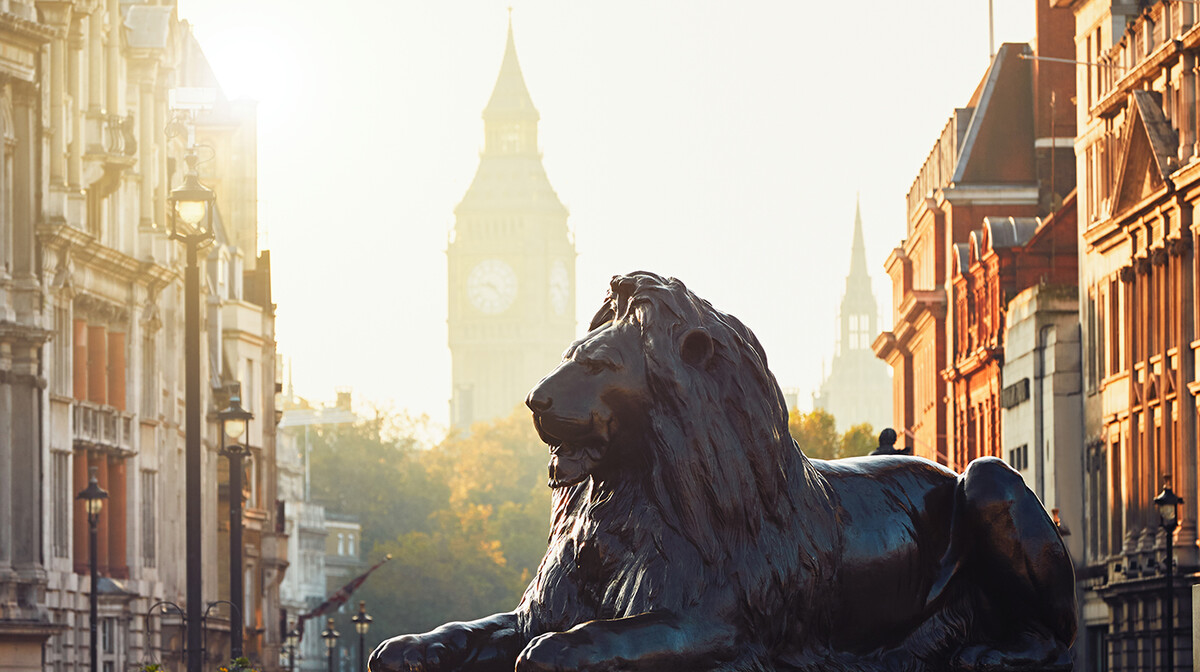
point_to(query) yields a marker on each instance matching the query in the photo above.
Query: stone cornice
(85, 250)
(30, 30)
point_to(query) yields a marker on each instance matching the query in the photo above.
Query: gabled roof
(510, 97)
(1147, 151)
(998, 146)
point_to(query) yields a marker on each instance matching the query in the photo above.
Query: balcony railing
(100, 426)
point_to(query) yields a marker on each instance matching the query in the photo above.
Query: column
(112, 74)
(58, 15)
(6, 464)
(117, 517)
(27, 451)
(146, 166)
(1187, 122)
(1181, 252)
(79, 524)
(116, 370)
(100, 461)
(97, 364)
(1129, 447)
(95, 83)
(75, 110)
(79, 362)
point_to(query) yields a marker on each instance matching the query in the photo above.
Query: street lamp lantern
(330, 635)
(93, 497)
(1167, 503)
(191, 205)
(362, 623)
(234, 417)
(362, 620)
(233, 423)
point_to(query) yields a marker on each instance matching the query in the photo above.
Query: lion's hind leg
(1014, 568)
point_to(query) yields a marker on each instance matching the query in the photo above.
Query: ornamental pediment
(1147, 152)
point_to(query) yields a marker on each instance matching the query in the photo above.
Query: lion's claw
(410, 653)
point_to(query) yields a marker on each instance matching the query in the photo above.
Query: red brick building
(998, 261)
(1007, 153)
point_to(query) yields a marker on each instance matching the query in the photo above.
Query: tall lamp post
(293, 641)
(191, 217)
(93, 497)
(362, 623)
(1168, 503)
(330, 635)
(233, 425)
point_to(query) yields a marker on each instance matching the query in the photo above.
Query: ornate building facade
(857, 389)
(511, 263)
(1138, 160)
(92, 334)
(1003, 258)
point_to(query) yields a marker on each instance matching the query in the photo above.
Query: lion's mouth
(571, 464)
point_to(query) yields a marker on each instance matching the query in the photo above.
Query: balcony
(98, 426)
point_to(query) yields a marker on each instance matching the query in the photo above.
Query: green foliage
(465, 521)
(858, 440)
(816, 433)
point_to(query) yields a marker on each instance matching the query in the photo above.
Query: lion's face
(593, 403)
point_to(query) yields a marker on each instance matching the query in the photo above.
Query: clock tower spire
(511, 262)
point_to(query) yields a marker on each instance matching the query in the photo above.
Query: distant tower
(858, 388)
(511, 263)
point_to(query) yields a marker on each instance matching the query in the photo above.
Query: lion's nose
(538, 401)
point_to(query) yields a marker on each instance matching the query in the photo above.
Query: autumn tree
(858, 440)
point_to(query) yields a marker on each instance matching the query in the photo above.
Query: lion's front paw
(553, 653)
(411, 653)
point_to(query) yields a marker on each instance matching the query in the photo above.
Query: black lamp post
(1168, 503)
(293, 641)
(93, 497)
(330, 635)
(362, 623)
(233, 425)
(191, 216)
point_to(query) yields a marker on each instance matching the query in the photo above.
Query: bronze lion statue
(690, 533)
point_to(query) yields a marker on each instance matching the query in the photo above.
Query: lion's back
(894, 514)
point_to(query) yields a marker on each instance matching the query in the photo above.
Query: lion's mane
(724, 477)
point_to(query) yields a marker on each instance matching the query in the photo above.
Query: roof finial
(510, 14)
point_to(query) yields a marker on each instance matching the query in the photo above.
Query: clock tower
(511, 261)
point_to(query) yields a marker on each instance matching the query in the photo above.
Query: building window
(341, 547)
(1018, 457)
(62, 502)
(350, 544)
(248, 598)
(149, 518)
(108, 635)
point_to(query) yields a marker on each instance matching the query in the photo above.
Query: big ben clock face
(560, 287)
(491, 286)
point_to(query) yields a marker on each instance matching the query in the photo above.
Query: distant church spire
(858, 251)
(857, 388)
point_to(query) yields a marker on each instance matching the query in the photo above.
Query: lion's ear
(696, 347)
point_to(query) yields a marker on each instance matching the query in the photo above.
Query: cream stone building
(511, 263)
(92, 334)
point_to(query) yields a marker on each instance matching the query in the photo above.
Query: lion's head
(669, 391)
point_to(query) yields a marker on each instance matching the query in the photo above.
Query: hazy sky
(722, 143)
